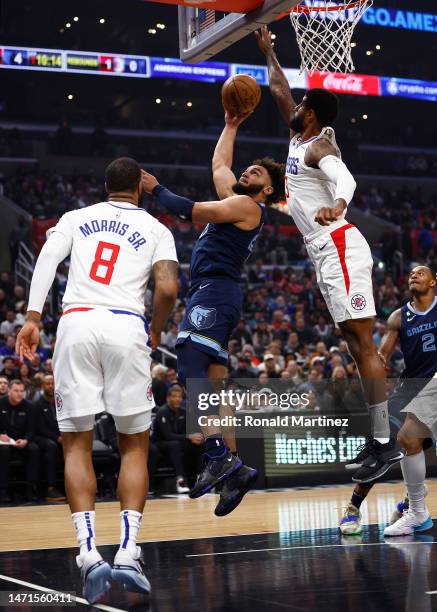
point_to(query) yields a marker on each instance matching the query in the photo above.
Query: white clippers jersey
(113, 248)
(308, 189)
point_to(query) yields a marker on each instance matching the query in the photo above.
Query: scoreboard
(74, 61)
(40, 59)
(146, 67)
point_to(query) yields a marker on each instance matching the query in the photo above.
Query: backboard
(203, 32)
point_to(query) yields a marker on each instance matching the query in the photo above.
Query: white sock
(414, 473)
(379, 422)
(84, 525)
(130, 522)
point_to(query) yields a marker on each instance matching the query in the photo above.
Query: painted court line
(280, 548)
(36, 587)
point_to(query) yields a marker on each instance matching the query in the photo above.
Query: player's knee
(410, 443)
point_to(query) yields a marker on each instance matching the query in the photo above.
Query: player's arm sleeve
(165, 248)
(55, 250)
(337, 172)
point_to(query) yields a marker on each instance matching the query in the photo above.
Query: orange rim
(302, 8)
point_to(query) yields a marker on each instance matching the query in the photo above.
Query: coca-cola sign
(356, 84)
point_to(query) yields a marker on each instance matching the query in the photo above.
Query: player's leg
(235, 487)
(411, 436)
(350, 524)
(193, 367)
(80, 487)
(125, 358)
(382, 451)
(79, 387)
(133, 444)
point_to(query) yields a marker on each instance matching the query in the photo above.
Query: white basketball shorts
(344, 263)
(424, 406)
(101, 362)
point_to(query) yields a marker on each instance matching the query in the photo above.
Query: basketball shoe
(234, 489)
(402, 506)
(214, 471)
(350, 524)
(95, 575)
(128, 569)
(410, 523)
(380, 458)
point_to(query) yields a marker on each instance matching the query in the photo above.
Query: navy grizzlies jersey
(419, 341)
(221, 250)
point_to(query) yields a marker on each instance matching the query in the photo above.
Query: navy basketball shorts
(212, 312)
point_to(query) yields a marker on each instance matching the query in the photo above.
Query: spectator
(159, 384)
(8, 350)
(9, 369)
(171, 377)
(48, 437)
(48, 367)
(169, 338)
(24, 375)
(170, 438)
(322, 330)
(4, 386)
(269, 366)
(244, 369)
(7, 327)
(242, 333)
(16, 433)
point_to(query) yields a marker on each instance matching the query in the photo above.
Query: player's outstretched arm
(235, 209)
(55, 250)
(224, 178)
(391, 336)
(323, 155)
(278, 83)
(165, 274)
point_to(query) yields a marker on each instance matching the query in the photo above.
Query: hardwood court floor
(179, 518)
(280, 550)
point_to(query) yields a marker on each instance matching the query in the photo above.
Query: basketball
(240, 94)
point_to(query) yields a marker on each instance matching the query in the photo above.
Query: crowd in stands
(285, 338)
(286, 341)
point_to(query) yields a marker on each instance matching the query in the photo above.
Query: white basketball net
(324, 33)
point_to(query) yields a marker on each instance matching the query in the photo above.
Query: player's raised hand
(148, 181)
(27, 340)
(264, 39)
(236, 120)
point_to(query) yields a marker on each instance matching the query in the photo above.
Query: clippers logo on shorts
(358, 302)
(149, 392)
(58, 401)
(202, 318)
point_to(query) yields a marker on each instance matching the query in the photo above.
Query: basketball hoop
(324, 33)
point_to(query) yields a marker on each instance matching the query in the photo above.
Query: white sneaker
(95, 575)
(350, 524)
(410, 523)
(180, 485)
(404, 505)
(129, 570)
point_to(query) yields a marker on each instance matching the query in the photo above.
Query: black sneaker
(214, 471)
(379, 461)
(364, 450)
(234, 489)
